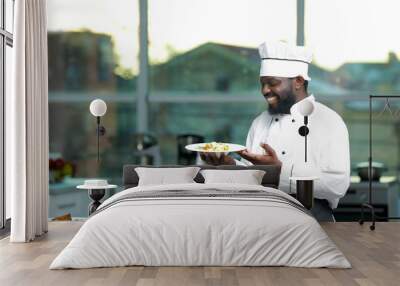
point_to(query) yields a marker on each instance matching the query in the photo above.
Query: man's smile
(272, 98)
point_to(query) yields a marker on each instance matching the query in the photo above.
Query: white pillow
(164, 176)
(248, 177)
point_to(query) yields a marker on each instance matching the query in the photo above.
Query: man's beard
(283, 106)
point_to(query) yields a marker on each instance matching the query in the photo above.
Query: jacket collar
(293, 109)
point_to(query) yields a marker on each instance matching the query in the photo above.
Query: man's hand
(270, 158)
(213, 159)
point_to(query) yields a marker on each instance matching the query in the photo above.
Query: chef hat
(283, 60)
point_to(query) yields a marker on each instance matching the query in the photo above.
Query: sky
(337, 31)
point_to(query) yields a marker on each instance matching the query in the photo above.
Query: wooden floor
(374, 255)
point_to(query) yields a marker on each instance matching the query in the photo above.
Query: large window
(196, 56)
(207, 50)
(203, 69)
(356, 49)
(6, 43)
(93, 50)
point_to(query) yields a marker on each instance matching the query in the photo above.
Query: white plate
(232, 148)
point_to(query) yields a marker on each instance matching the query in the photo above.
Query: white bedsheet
(200, 231)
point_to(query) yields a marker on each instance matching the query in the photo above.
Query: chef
(274, 138)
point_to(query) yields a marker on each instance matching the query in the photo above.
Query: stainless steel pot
(376, 171)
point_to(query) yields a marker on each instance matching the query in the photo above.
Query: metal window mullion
(2, 40)
(2, 89)
(2, 125)
(300, 23)
(6, 33)
(3, 15)
(143, 79)
(9, 42)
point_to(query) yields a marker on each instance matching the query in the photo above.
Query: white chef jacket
(328, 148)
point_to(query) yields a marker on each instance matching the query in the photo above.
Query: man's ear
(298, 82)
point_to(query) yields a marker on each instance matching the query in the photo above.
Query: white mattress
(200, 231)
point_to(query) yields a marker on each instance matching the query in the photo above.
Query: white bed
(249, 225)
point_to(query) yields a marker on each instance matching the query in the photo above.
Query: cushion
(130, 178)
(162, 176)
(248, 177)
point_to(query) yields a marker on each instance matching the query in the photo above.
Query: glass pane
(194, 53)
(8, 82)
(9, 15)
(349, 66)
(91, 55)
(73, 150)
(221, 122)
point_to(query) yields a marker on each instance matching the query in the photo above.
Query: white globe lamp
(98, 108)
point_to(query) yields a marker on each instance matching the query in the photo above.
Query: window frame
(6, 39)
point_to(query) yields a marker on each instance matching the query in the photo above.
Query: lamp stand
(96, 195)
(303, 131)
(305, 188)
(100, 130)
